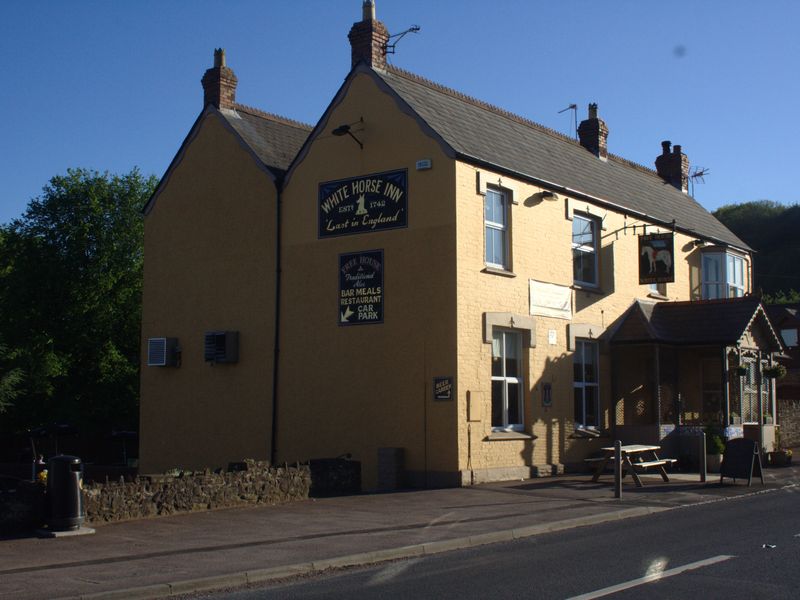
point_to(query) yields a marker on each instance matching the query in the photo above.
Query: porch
(683, 368)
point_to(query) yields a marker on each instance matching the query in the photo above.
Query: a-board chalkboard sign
(741, 460)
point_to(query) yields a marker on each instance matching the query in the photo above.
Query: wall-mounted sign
(361, 288)
(550, 299)
(442, 388)
(363, 204)
(656, 258)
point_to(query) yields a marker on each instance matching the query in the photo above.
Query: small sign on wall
(361, 288)
(547, 395)
(363, 204)
(442, 388)
(656, 258)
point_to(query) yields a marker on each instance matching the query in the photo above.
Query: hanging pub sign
(363, 204)
(656, 258)
(361, 288)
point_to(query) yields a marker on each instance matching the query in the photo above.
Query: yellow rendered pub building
(442, 290)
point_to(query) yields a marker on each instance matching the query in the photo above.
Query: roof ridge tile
(271, 116)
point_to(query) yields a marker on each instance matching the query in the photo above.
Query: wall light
(345, 130)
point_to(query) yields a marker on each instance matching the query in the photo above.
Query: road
(739, 548)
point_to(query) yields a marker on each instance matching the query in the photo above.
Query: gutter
(273, 451)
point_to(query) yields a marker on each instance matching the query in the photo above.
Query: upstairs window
(723, 275)
(495, 218)
(789, 337)
(584, 251)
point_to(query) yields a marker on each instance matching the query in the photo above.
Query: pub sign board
(442, 388)
(363, 204)
(361, 288)
(656, 258)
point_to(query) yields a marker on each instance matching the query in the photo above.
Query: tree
(770, 229)
(70, 301)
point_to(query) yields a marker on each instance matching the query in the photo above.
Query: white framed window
(723, 275)
(584, 250)
(507, 380)
(586, 384)
(495, 219)
(789, 337)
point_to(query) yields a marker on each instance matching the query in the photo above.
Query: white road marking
(653, 577)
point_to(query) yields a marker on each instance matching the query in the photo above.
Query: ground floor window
(507, 380)
(586, 384)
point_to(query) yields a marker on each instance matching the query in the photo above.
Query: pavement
(221, 549)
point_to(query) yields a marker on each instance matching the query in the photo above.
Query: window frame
(729, 272)
(505, 380)
(502, 229)
(581, 345)
(585, 249)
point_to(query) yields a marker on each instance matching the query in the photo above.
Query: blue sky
(115, 85)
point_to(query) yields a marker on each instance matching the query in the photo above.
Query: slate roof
(480, 132)
(706, 322)
(275, 140)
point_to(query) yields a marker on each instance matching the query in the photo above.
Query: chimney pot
(665, 147)
(368, 10)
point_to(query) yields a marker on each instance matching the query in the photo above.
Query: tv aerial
(697, 175)
(574, 109)
(389, 48)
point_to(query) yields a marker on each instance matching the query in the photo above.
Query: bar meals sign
(656, 258)
(363, 204)
(361, 288)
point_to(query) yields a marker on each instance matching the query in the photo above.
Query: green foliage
(10, 379)
(771, 229)
(714, 443)
(70, 297)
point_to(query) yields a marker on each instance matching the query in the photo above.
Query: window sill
(497, 271)
(657, 296)
(587, 433)
(587, 288)
(496, 436)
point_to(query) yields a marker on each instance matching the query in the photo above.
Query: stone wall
(23, 505)
(789, 415)
(256, 483)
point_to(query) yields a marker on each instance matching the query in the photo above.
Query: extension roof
(708, 322)
(486, 135)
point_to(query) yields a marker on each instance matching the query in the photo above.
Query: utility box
(65, 493)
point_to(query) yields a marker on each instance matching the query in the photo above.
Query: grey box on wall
(162, 352)
(221, 347)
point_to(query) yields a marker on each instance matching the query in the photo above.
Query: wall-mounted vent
(221, 346)
(162, 352)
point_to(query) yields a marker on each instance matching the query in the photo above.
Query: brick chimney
(368, 38)
(219, 83)
(593, 134)
(673, 166)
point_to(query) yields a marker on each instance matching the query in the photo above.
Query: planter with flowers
(775, 371)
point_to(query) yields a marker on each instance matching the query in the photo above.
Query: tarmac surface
(194, 552)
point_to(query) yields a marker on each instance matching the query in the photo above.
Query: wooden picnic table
(635, 457)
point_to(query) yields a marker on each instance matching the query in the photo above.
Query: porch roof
(722, 322)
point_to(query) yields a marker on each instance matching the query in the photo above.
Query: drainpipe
(276, 348)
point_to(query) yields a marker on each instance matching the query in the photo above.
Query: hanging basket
(740, 370)
(774, 371)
